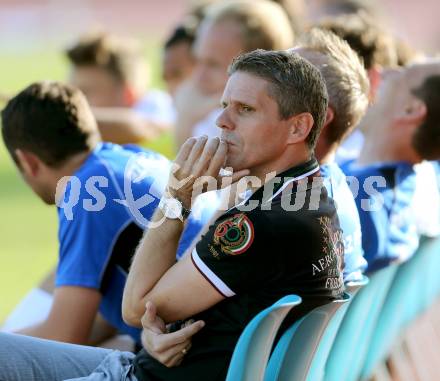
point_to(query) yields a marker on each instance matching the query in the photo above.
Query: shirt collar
(283, 179)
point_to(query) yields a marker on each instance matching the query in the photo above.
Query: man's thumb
(150, 312)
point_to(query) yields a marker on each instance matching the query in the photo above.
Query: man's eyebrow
(244, 102)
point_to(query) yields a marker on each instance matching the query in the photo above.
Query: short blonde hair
(345, 77)
(265, 24)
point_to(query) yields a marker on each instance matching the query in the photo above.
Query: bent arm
(122, 126)
(155, 255)
(179, 294)
(177, 289)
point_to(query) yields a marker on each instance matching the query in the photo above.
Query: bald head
(235, 27)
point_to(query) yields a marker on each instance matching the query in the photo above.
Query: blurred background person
(178, 59)
(228, 29)
(113, 75)
(296, 10)
(374, 44)
(401, 131)
(377, 50)
(52, 135)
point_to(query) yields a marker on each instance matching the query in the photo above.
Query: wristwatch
(173, 208)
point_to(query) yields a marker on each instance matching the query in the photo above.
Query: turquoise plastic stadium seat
(351, 343)
(252, 351)
(431, 288)
(403, 302)
(345, 342)
(303, 349)
(353, 287)
(420, 292)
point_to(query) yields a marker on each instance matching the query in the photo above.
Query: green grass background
(28, 227)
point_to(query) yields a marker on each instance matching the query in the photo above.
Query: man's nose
(224, 121)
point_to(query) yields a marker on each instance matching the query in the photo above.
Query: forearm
(154, 256)
(45, 330)
(126, 126)
(71, 317)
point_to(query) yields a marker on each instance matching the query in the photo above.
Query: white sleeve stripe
(210, 276)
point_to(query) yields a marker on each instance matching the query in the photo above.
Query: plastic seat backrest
(302, 351)
(253, 348)
(403, 302)
(351, 343)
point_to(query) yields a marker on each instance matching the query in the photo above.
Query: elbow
(131, 313)
(132, 319)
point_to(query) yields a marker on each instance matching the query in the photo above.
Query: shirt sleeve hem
(207, 273)
(77, 283)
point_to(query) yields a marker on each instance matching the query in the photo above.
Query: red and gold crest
(235, 235)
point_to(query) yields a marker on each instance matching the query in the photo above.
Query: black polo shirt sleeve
(231, 256)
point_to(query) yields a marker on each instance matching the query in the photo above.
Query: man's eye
(244, 108)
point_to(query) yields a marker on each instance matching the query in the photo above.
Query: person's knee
(9, 357)
(10, 345)
(6, 340)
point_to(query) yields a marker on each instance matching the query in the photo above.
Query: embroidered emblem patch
(235, 235)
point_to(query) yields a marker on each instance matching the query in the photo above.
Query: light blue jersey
(338, 189)
(389, 232)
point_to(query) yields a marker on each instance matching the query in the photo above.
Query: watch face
(174, 208)
(171, 208)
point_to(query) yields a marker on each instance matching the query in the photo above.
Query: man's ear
(329, 116)
(414, 113)
(129, 96)
(322, 142)
(29, 163)
(300, 126)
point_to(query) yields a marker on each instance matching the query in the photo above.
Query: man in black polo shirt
(273, 107)
(283, 239)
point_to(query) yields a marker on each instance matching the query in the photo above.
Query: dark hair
(373, 44)
(51, 120)
(295, 84)
(426, 140)
(121, 57)
(352, 6)
(181, 33)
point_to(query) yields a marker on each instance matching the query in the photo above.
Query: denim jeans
(25, 358)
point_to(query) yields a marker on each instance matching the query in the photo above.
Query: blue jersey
(426, 200)
(436, 166)
(338, 189)
(350, 147)
(105, 208)
(389, 232)
(201, 215)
